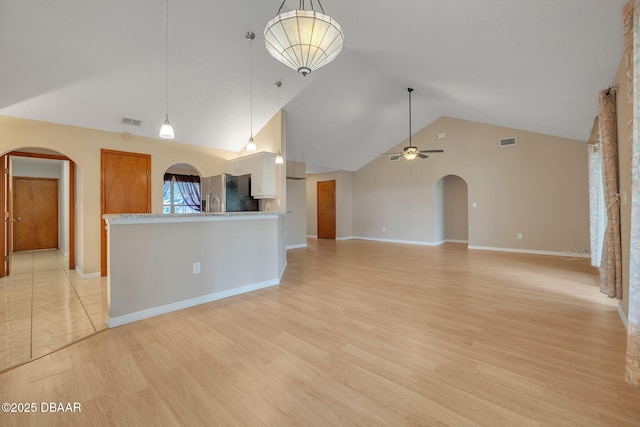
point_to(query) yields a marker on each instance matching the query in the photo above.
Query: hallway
(45, 306)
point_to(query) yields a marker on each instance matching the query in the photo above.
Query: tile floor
(45, 306)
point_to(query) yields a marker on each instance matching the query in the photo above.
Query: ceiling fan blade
(395, 154)
(431, 151)
(422, 156)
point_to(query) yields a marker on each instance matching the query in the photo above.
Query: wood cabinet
(262, 167)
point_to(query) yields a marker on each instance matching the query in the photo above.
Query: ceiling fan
(411, 152)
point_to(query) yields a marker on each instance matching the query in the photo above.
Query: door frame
(8, 235)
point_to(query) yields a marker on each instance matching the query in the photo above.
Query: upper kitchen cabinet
(262, 167)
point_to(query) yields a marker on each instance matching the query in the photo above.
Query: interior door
(326, 209)
(125, 188)
(35, 213)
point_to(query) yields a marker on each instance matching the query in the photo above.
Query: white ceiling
(532, 65)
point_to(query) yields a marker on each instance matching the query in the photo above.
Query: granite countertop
(188, 217)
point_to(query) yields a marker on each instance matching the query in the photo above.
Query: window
(181, 194)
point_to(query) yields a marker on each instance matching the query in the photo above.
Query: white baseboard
(87, 275)
(112, 322)
(309, 236)
(304, 245)
(344, 238)
(408, 242)
(623, 316)
(456, 241)
(530, 251)
(284, 267)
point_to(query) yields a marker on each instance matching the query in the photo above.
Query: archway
(32, 159)
(183, 190)
(452, 210)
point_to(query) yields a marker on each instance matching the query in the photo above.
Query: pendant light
(251, 145)
(166, 130)
(279, 158)
(304, 40)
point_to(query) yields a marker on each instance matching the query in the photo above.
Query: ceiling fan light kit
(411, 152)
(304, 40)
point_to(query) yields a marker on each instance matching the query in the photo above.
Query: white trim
(344, 238)
(304, 245)
(530, 251)
(456, 241)
(623, 316)
(112, 322)
(82, 275)
(311, 237)
(284, 267)
(407, 242)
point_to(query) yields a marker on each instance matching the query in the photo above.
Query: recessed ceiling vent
(506, 142)
(132, 122)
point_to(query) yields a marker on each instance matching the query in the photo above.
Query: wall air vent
(506, 142)
(132, 122)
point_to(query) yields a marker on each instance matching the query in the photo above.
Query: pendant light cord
(166, 68)
(251, 85)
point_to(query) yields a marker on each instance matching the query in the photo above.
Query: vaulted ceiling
(531, 65)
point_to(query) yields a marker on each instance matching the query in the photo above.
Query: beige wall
(624, 159)
(538, 187)
(272, 137)
(344, 196)
(296, 219)
(83, 147)
(163, 280)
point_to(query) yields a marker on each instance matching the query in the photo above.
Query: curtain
(166, 188)
(632, 57)
(611, 264)
(597, 213)
(189, 188)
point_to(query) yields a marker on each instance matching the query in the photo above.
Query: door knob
(16, 220)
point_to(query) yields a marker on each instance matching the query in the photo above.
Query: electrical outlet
(196, 268)
(384, 228)
(519, 236)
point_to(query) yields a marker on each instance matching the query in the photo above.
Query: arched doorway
(452, 216)
(183, 190)
(38, 161)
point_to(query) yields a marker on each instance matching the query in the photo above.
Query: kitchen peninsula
(159, 263)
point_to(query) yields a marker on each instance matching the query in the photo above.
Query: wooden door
(125, 188)
(327, 209)
(35, 213)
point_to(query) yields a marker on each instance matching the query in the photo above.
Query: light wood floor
(359, 333)
(44, 306)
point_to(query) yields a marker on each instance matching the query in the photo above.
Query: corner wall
(539, 188)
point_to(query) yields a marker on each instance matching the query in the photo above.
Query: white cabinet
(262, 167)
